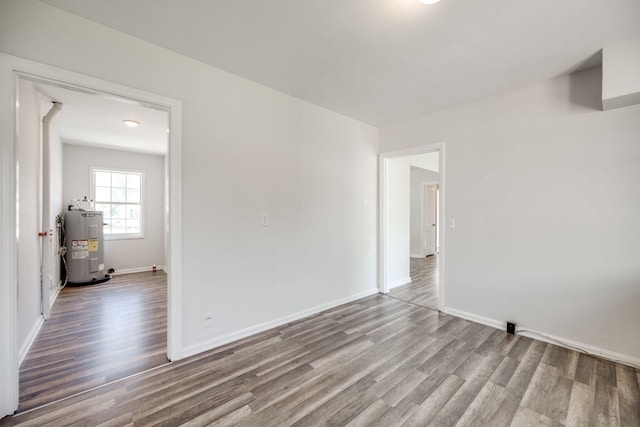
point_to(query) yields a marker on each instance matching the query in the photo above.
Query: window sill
(108, 237)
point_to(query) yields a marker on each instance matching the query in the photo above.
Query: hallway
(423, 289)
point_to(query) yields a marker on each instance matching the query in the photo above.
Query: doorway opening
(412, 239)
(48, 84)
(93, 166)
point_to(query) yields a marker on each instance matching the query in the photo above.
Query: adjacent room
(411, 223)
(99, 312)
(393, 213)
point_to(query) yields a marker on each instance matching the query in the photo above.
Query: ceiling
(379, 61)
(97, 120)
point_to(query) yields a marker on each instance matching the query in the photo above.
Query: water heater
(85, 247)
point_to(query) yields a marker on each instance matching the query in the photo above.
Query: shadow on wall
(585, 88)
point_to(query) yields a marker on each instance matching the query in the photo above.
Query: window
(118, 194)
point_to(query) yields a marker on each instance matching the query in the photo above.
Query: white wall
(428, 161)
(544, 189)
(418, 177)
(621, 74)
(122, 254)
(28, 153)
(247, 150)
(398, 216)
(32, 107)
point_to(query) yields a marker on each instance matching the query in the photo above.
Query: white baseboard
(475, 318)
(416, 255)
(33, 333)
(548, 338)
(399, 282)
(252, 330)
(581, 347)
(26, 345)
(139, 270)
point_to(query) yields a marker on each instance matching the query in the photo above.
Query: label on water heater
(80, 249)
(93, 245)
(79, 254)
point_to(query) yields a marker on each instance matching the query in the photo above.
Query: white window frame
(92, 178)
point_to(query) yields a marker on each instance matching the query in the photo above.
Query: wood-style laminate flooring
(423, 289)
(377, 361)
(97, 334)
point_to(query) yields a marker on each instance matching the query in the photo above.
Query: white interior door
(430, 219)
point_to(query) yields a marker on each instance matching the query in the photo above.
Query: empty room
(369, 213)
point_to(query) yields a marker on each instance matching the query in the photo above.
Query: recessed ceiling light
(428, 1)
(131, 123)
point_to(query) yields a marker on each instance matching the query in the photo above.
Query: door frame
(423, 216)
(11, 70)
(383, 217)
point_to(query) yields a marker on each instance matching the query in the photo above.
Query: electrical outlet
(511, 328)
(208, 320)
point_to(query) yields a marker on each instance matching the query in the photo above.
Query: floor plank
(378, 361)
(97, 334)
(423, 289)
